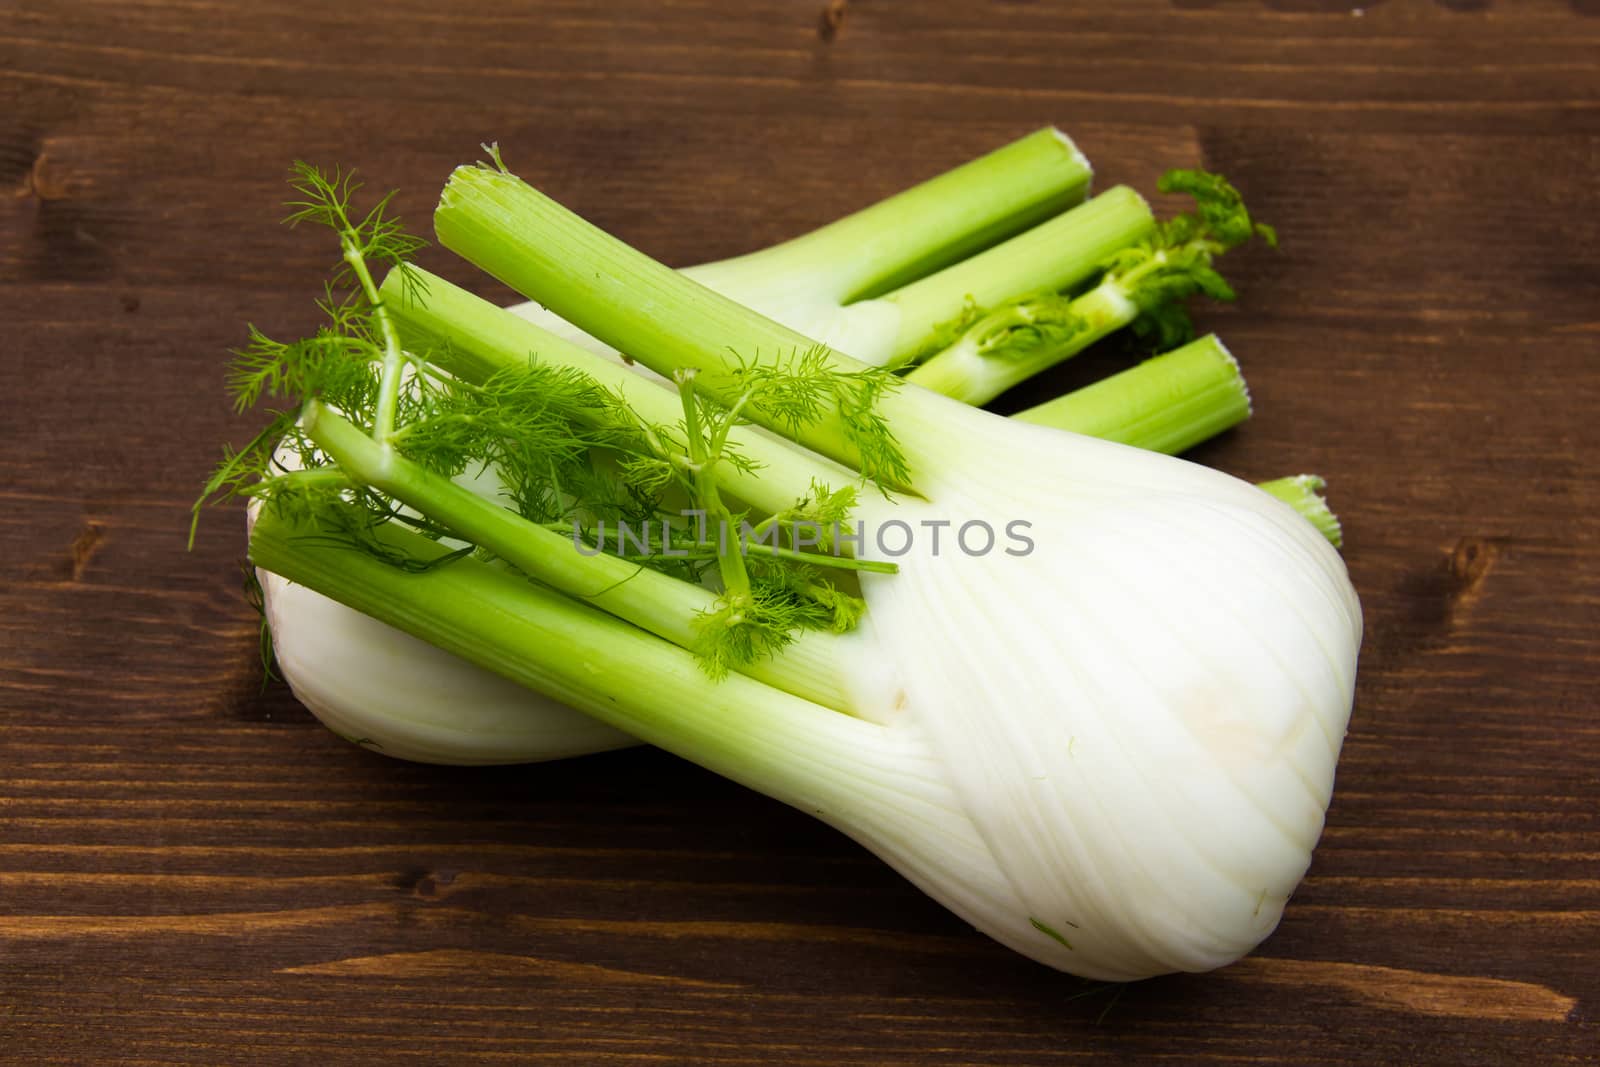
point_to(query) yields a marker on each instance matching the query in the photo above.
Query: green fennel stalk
(930, 226)
(1143, 287)
(1168, 403)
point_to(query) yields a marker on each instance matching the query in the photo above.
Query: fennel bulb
(1140, 721)
(1112, 753)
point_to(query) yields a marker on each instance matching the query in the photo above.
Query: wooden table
(192, 870)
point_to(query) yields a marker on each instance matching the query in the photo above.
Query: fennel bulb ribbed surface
(1142, 717)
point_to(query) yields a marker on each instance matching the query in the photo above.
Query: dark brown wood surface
(192, 870)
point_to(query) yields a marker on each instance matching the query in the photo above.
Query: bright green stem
(941, 221)
(1053, 256)
(1166, 404)
(778, 743)
(973, 373)
(1303, 492)
(650, 599)
(473, 339)
(393, 358)
(825, 559)
(626, 299)
(815, 559)
(703, 461)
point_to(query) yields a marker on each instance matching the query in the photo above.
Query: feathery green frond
(1179, 261)
(564, 451)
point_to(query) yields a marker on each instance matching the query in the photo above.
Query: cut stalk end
(1166, 404)
(1303, 492)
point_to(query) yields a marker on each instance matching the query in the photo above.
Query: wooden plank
(191, 870)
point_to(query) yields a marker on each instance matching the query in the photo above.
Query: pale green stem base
(1303, 492)
(796, 751)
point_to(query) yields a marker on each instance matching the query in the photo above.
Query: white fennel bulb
(1141, 718)
(1112, 754)
(381, 688)
(1110, 747)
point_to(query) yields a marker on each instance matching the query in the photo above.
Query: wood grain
(192, 871)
